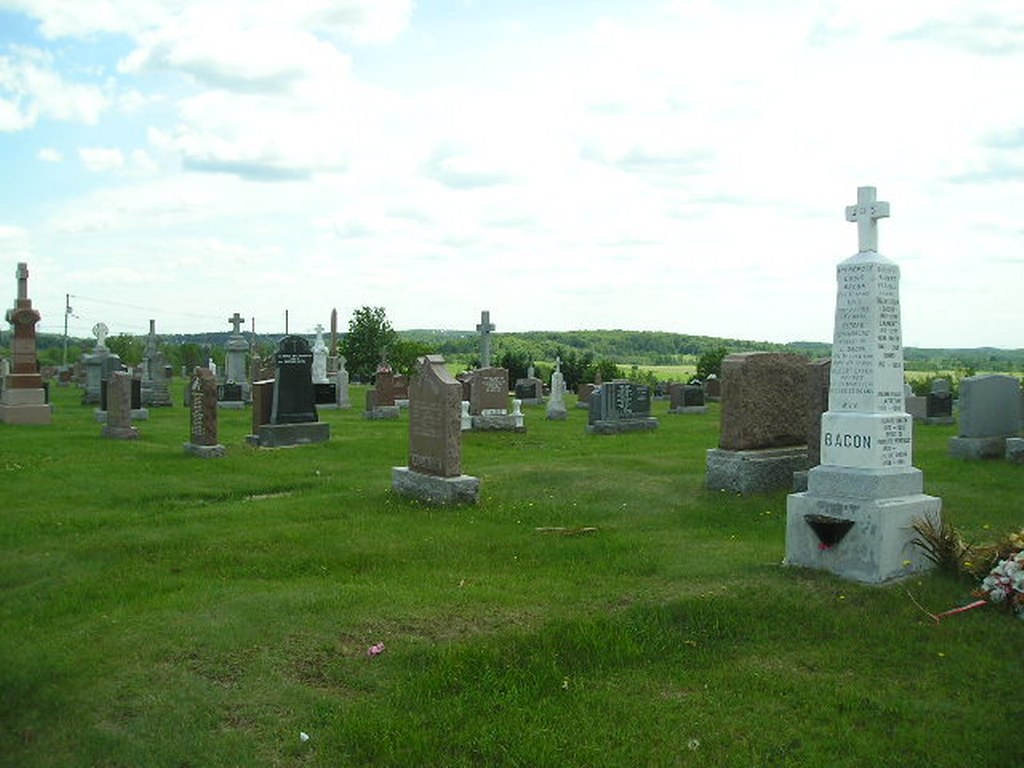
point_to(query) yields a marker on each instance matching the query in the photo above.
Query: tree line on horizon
(370, 338)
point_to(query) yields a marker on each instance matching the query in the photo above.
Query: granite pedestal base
(1015, 450)
(760, 471)
(620, 427)
(25, 406)
(120, 433)
(205, 451)
(975, 448)
(438, 491)
(136, 414)
(285, 435)
(858, 523)
(231, 405)
(382, 412)
(557, 415)
(689, 409)
(498, 422)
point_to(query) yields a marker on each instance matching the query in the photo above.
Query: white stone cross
(866, 213)
(100, 331)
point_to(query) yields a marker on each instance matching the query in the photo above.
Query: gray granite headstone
(119, 408)
(990, 412)
(202, 439)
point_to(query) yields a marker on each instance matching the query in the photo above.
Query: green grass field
(164, 610)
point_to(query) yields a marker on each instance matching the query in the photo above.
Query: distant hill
(626, 347)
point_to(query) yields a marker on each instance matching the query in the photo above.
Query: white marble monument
(856, 517)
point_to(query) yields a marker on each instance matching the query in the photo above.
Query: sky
(669, 165)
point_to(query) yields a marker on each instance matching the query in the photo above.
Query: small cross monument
(485, 327)
(866, 213)
(236, 322)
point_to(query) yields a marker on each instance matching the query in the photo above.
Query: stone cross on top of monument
(236, 322)
(22, 275)
(866, 213)
(485, 327)
(100, 331)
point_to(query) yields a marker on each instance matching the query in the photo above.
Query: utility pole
(67, 311)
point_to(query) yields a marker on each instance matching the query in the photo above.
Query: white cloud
(50, 155)
(31, 90)
(101, 159)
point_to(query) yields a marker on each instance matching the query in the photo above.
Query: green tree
(129, 348)
(369, 334)
(710, 362)
(577, 366)
(515, 357)
(607, 369)
(403, 354)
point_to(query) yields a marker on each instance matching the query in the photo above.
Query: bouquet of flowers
(1005, 583)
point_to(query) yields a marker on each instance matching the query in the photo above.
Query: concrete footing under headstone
(497, 422)
(619, 427)
(120, 433)
(557, 414)
(1015, 450)
(285, 435)
(206, 451)
(757, 471)
(382, 412)
(136, 414)
(25, 406)
(877, 509)
(689, 409)
(231, 405)
(975, 448)
(440, 491)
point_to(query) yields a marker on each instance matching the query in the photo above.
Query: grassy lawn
(163, 610)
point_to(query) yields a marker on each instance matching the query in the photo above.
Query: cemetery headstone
(939, 406)
(686, 398)
(23, 399)
(583, 393)
(434, 471)
(156, 373)
(235, 374)
(119, 407)
(341, 385)
(319, 372)
(763, 423)
(293, 416)
(530, 390)
(856, 517)
(713, 388)
(489, 400)
(990, 413)
(556, 403)
(202, 439)
(380, 401)
(915, 405)
(620, 406)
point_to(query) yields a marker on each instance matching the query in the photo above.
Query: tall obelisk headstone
(237, 391)
(856, 517)
(23, 400)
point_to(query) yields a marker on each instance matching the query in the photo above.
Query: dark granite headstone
(293, 384)
(620, 406)
(229, 392)
(119, 412)
(325, 394)
(764, 401)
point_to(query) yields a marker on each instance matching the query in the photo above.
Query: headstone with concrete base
(939, 403)
(202, 439)
(434, 471)
(380, 401)
(293, 416)
(762, 439)
(620, 406)
(236, 390)
(119, 407)
(686, 398)
(856, 518)
(556, 410)
(23, 399)
(990, 413)
(489, 400)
